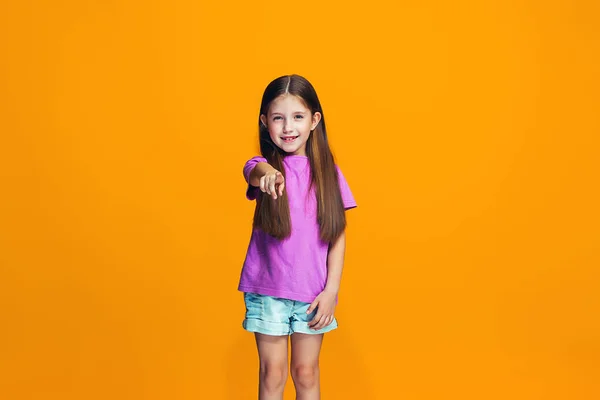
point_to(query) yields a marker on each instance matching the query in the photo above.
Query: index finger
(279, 177)
(315, 320)
(272, 190)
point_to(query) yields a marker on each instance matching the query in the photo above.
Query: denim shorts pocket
(254, 304)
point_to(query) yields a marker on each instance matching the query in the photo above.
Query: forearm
(335, 263)
(259, 171)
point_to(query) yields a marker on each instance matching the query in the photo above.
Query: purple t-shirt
(294, 268)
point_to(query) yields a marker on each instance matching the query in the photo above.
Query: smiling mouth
(289, 139)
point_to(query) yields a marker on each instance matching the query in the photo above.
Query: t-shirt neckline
(295, 156)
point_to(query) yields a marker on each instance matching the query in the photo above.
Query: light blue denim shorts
(279, 317)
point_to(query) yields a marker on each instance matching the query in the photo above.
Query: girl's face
(290, 123)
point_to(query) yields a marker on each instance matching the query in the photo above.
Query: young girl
(293, 267)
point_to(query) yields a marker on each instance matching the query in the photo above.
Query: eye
(276, 118)
(300, 116)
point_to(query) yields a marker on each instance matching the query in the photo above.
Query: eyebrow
(295, 112)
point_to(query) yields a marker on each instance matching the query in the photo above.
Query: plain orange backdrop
(468, 132)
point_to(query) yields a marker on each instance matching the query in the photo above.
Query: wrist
(331, 290)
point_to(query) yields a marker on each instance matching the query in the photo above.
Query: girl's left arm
(327, 299)
(335, 264)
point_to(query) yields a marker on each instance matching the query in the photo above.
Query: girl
(292, 271)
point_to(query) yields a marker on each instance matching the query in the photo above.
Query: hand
(326, 307)
(272, 183)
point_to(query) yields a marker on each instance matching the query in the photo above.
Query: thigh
(306, 348)
(272, 350)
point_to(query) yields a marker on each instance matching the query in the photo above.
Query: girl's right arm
(268, 179)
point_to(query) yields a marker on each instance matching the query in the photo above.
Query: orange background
(468, 132)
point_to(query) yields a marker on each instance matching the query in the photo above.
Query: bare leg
(273, 353)
(305, 365)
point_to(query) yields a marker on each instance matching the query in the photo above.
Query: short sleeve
(251, 191)
(347, 197)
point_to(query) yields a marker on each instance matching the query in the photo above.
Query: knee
(273, 376)
(305, 375)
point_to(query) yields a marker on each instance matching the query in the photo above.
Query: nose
(287, 125)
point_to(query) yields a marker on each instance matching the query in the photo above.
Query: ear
(263, 119)
(316, 118)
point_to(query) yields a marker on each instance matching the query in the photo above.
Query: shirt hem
(278, 293)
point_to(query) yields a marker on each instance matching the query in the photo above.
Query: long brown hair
(273, 216)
